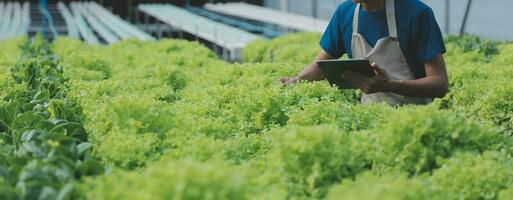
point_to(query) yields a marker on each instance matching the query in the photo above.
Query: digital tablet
(333, 70)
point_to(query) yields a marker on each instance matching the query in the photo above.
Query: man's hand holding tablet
(340, 72)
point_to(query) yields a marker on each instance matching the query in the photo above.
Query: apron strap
(355, 19)
(391, 20)
(392, 24)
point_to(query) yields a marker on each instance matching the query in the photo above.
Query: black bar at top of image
(121, 7)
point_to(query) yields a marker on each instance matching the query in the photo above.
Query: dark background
(121, 7)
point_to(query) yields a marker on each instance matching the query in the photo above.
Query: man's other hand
(289, 80)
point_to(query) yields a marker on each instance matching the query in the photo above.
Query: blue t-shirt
(419, 36)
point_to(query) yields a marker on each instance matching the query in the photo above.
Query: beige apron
(386, 54)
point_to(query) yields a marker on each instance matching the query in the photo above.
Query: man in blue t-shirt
(402, 40)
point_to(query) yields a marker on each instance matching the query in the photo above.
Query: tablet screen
(333, 70)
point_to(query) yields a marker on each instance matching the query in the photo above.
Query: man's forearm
(311, 73)
(423, 88)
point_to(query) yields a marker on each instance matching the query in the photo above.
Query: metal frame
(113, 24)
(70, 21)
(14, 19)
(271, 16)
(465, 18)
(87, 18)
(232, 40)
(103, 31)
(46, 14)
(86, 33)
(6, 20)
(264, 30)
(116, 23)
(25, 21)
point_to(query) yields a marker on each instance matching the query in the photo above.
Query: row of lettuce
(44, 148)
(169, 120)
(480, 72)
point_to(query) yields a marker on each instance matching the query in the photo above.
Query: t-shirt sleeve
(429, 37)
(332, 41)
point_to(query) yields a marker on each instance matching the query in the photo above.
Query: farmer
(402, 40)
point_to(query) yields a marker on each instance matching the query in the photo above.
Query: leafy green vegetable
(170, 120)
(312, 158)
(41, 129)
(182, 179)
(471, 176)
(296, 48)
(418, 139)
(393, 186)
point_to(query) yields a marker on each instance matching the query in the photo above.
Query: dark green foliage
(473, 43)
(44, 145)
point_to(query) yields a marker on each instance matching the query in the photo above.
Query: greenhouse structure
(256, 99)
